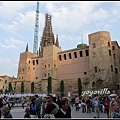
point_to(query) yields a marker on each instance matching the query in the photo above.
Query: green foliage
(49, 87)
(10, 87)
(1, 91)
(32, 87)
(62, 88)
(79, 87)
(22, 87)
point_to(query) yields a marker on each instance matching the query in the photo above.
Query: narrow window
(37, 62)
(45, 66)
(114, 55)
(22, 77)
(116, 70)
(48, 74)
(29, 61)
(94, 55)
(23, 69)
(81, 54)
(109, 52)
(36, 77)
(85, 73)
(64, 56)
(109, 44)
(70, 57)
(75, 54)
(94, 45)
(45, 75)
(33, 62)
(113, 47)
(95, 69)
(87, 52)
(118, 87)
(48, 65)
(111, 67)
(60, 58)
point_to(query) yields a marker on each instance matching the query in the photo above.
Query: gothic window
(94, 45)
(70, 57)
(75, 54)
(87, 52)
(29, 61)
(45, 75)
(109, 52)
(64, 56)
(109, 44)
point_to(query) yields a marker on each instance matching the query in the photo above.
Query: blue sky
(70, 20)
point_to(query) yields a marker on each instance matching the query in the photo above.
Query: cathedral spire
(48, 36)
(57, 42)
(26, 48)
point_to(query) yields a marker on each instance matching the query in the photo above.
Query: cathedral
(96, 64)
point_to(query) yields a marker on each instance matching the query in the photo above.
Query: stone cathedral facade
(97, 64)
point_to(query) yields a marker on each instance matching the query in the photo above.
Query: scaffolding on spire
(35, 47)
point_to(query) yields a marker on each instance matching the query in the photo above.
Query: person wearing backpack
(33, 110)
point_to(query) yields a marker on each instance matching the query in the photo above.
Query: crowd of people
(51, 106)
(98, 104)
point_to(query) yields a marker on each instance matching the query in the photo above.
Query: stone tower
(101, 61)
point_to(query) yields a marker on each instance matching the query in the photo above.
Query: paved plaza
(18, 112)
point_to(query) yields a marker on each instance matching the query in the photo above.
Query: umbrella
(113, 95)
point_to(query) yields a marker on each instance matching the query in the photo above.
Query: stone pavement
(18, 112)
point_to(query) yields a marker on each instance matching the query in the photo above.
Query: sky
(72, 21)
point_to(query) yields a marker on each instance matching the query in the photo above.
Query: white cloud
(9, 46)
(14, 41)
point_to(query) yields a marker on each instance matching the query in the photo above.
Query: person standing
(38, 103)
(107, 104)
(97, 107)
(33, 110)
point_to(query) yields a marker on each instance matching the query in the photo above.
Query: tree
(49, 87)
(79, 87)
(22, 87)
(32, 87)
(10, 87)
(62, 88)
